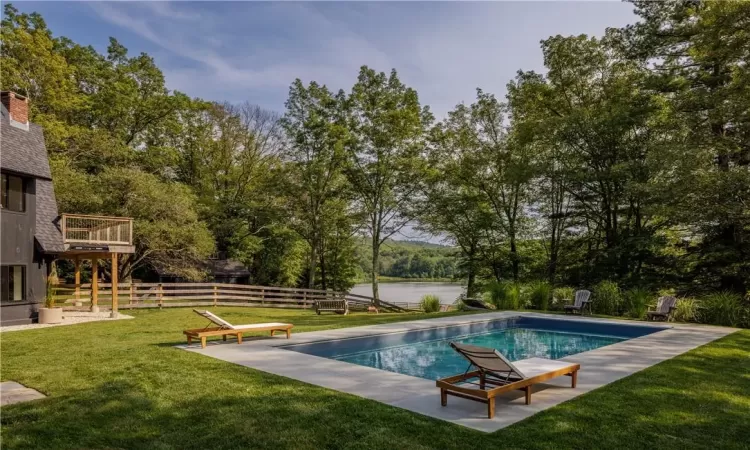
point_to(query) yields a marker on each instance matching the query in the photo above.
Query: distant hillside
(409, 259)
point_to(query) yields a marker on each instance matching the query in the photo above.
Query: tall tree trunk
(471, 283)
(125, 268)
(553, 249)
(497, 271)
(375, 269)
(322, 265)
(552, 266)
(313, 261)
(514, 255)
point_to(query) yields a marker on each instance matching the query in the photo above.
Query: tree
(697, 54)
(388, 125)
(229, 161)
(314, 177)
(166, 232)
(32, 66)
(602, 131)
(551, 194)
(453, 206)
(490, 170)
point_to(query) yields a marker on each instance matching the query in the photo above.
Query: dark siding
(18, 248)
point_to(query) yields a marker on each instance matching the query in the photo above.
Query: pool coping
(599, 367)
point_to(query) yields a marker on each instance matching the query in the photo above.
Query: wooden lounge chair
(581, 300)
(225, 329)
(497, 375)
(665, 306)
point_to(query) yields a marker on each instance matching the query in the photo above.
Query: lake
(411, 292)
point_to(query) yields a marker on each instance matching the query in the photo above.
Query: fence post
(215, 293)
(78, 281)
(131, 291)
(160, 297)
(262, 297)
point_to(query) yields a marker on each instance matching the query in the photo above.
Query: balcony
(83, 233)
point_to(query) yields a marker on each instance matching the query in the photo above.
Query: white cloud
(253, 51)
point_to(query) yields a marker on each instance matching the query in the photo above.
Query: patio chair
(225, 328)
(581, 300)
(501, 375)
(665, 306)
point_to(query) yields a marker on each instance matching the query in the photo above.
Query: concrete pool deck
(599, 367)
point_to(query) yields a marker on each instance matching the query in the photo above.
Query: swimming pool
(427, 354)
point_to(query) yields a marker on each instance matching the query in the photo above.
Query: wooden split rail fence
(161, 295)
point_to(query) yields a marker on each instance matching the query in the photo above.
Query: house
(219, 269)
(32, 233)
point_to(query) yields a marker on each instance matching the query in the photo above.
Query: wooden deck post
(94, 284)
(115, 292)
(77, 262)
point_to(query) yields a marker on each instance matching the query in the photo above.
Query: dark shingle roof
(215, 267)
(48, 232)
(23, 151)
(226, 267)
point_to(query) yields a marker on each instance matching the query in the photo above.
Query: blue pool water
(427, 353)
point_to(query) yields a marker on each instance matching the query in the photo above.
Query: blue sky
(252, 51)
(237, 51)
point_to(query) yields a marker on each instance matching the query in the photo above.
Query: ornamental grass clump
(562, 296)
(607, 298)
(721, 308)
(540, 293)
(503, 295)
(430, 303)
(637, 302)
(686, 310)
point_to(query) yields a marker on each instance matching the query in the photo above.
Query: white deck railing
(84, 229)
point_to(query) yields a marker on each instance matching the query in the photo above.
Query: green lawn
(123, 385)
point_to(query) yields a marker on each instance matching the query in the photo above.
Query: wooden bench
(336, 306)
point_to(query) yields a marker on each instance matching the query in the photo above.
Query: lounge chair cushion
(260, 325)
(226, 325)
(532, 367)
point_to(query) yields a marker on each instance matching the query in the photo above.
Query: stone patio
(12, 392)
(599, 367)
(69, 318)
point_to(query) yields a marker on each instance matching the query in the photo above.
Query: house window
(12, 195)
(13, 283)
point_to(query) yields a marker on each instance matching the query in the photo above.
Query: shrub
(607, 298)
(561, 296)
(637, 302)
(667, 291)
(503, 294)
(686, 310)
(721, 308)
(539, 294)
(430, 303)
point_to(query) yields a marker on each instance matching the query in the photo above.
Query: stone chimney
(18, 108)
